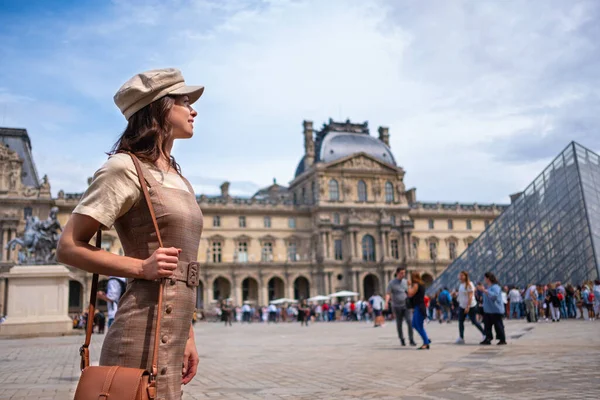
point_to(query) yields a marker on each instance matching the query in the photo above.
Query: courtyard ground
(343, 361)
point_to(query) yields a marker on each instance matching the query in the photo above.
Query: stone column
(237, 290)
(406, 245)
(10, 253)
(2, 296)
(328, 243)
(4, 243)
(360, 286)
(209, 291)
(329, 281)
(264, 292)
(355, 245)
(290, 291)
(382, 246)
(387, 245)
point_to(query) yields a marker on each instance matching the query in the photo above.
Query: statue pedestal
(38, 301)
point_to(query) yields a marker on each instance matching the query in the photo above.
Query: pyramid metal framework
(551, 232)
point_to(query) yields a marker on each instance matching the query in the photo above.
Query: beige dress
(130, 339)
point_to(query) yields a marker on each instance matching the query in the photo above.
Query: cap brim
(192, 92)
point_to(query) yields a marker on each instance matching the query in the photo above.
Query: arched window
(362, 191)
(389, 192)
(334, 190)
(452, 250)
(368, 248)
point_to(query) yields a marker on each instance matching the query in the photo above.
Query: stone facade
(346, 221)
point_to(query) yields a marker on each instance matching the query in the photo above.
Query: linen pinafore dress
(130, 340)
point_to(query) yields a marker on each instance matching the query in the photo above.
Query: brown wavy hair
(147, 132)
(466, 274)
(415, 277)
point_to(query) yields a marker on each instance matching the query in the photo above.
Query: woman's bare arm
(412, 290)
(74, 249)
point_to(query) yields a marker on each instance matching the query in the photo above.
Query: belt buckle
(193, 276)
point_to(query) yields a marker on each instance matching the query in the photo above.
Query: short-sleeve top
(115, 189)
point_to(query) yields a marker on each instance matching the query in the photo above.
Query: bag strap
(84, 350)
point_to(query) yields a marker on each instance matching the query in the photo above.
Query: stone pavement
(343, 361)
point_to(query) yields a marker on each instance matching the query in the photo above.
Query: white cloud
(460, 84)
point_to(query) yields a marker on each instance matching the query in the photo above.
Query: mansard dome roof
(338, 140)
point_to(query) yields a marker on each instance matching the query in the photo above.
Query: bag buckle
(193, 274)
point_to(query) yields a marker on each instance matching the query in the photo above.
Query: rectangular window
(337, 244)
(267, 252)
(267, 222)
(292, 223)
(450, 224)
(27, 212)
(292, 251)
(394, 246)
(216, 252)
(336, 218)
(393, 220)
(469, 225)
(242, 222)
(431, 224)
(242, 252)
(216, 221)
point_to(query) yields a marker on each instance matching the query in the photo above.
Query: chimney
(309, 144)
(225, 189)
(515, 196)
(384, 135)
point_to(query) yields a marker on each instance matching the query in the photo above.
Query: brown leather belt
(188, 272)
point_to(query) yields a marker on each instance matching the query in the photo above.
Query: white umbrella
(344, 293)
(319, 298)
(283, 301)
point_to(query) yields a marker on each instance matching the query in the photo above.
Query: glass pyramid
(551, 232)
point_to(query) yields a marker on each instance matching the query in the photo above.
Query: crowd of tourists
(550, 302)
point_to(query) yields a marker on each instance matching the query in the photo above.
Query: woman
(466, 306)
(493, 309)
(226, 311)
(157, 106)
(303, 313)
(416, 292)
(553, 302)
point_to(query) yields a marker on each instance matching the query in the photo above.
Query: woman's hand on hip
(161, 263)
(190, 361)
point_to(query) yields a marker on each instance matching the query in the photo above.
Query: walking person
(531, 303)
(377, 303)
(467, 306)
(397, 291)
(115, 288)
(493, 309)
(515, 299)
(303, 313)
(552, 295)
(226, 313)
(416, 293)
(157, 106)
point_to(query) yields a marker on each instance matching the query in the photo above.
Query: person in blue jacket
(493, 309)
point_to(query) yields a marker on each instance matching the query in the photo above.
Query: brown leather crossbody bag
(115, 382)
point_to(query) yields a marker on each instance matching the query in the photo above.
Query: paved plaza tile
(343, 361)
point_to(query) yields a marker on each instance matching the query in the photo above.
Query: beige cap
(150, 86)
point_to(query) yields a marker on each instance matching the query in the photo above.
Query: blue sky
(478, 95)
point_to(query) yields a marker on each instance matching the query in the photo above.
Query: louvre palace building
(345, 222)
